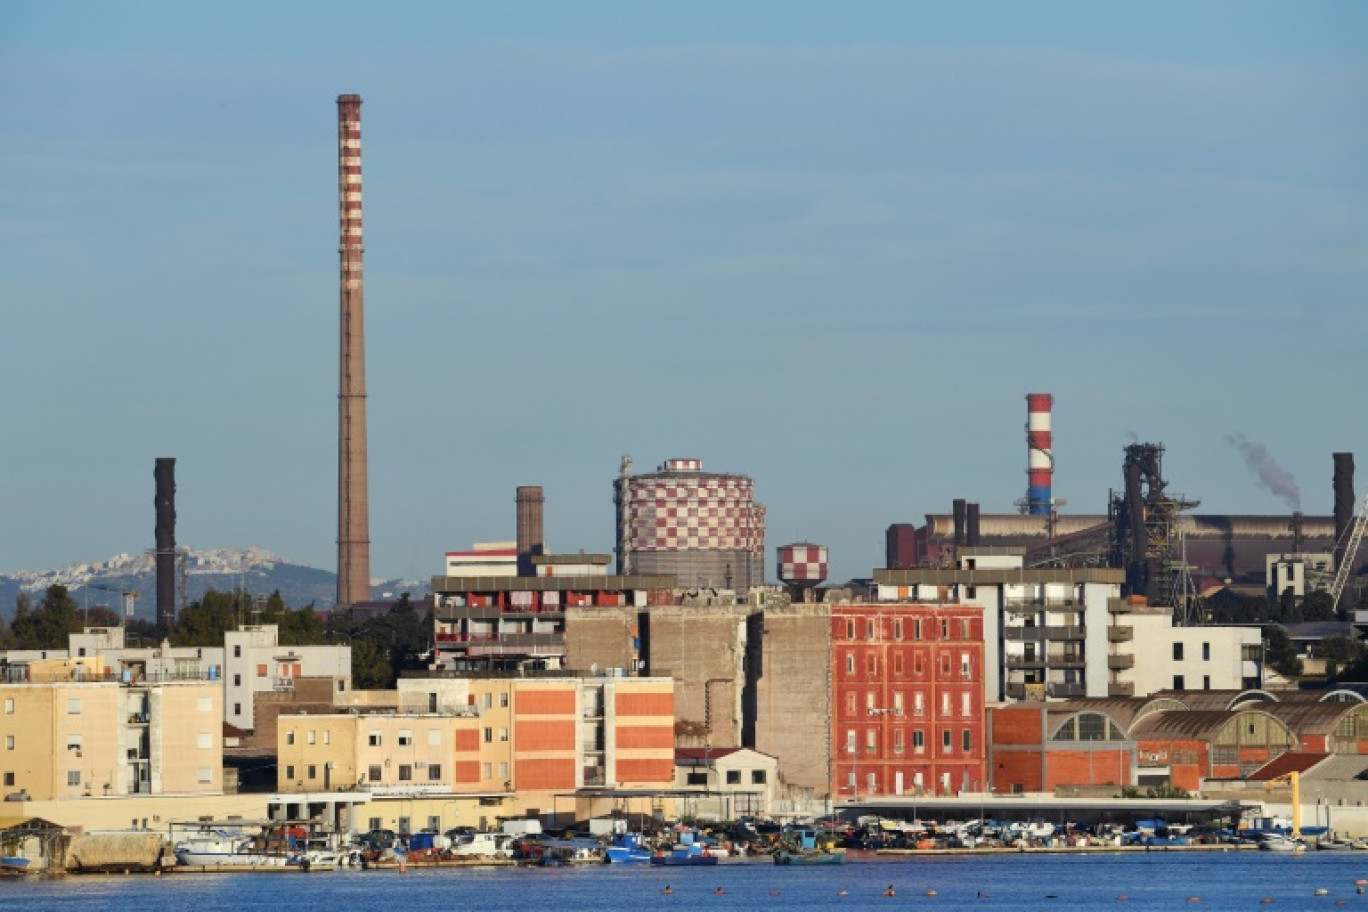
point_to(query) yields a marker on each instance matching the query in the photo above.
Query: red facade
(908, 718)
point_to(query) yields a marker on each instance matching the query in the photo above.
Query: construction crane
(129, 597)
(1355, 533)
(1294, 780)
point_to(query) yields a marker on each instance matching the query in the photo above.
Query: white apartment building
(255, 662)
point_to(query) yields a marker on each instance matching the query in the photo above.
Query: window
(486, 700)
(871, 741)
(434, 737)
(850, 781)
(289, 737)
(1206, 652)
(694, 778)
(489, 736)
(434, 824)
(237, 709)
(850, 629)
(327, 736)
(964, 628)
(945, 628)
(918, 739)
(1178, 682)
(289, 772)
(899, 741)
(237, 680)
(898, 662)
(313, 737)
(966, 671)
(1177, 652)
(486, 771)
(503, 700)
(73, 742)
(918, 706)
(311, 771)
(966, 704)
(434, 772)
(945, 704)
(205, 704)
(869, 702)
(871, 629)
(503, 734)
(237, 652)
(733, 777)
(405, 737)
(872, 664)
(850, 704)
(850, 664)
(405, 772)
(205, 740)
(9, 778)
(403, 824)
(916, 629)
(9, 707)
(9, 742)
(897, 628)
(206, 775)
(74, 706)
(373, 739)
(1206, 682)
(965, 741)
(917, 663)
(850, 741)
(757, 777)
(261, 671)
(373, 774)
(945, 739)
(73, 777)
(341, 686)
(375, 823)
(897, 703)
(503, 771)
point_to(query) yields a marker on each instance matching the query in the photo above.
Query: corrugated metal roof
(1313, 718)
(1339, 768)
(1191, 725)
(1289, 762)
(1125, 710)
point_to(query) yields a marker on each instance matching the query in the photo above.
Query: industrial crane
(1294, 780)
(129, 597)
(1355, 533)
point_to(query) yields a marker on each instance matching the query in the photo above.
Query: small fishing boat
(1277, 842)
(13, 865)
(687, 855)
(629, 848)
(787, 857)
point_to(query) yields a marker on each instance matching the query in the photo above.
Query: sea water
(1128, 882)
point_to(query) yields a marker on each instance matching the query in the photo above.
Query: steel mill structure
(353, 512)
(1039, 455)
(704, 528)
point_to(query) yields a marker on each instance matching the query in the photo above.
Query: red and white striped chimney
(1039, 454)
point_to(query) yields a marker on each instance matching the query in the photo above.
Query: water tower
(802, 568)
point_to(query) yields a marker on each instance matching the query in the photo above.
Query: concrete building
(1150, 654)
(485, 559)
(731, 782)
(104, 738)
(908, 700)
(255, 662)
(703, 528)
(1045, 629)
(1298, 574)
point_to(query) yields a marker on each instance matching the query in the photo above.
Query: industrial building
(703, 528)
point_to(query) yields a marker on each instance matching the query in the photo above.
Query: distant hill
(225, 569)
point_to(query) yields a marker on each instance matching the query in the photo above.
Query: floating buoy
(1194, 899)
(718, 891)
(1321, 891)
(842, 893)
(1123, 898)
(667, 891)
(890, 891)
(774, 892)
(1266, 900)
(930, 893)
(982, 895)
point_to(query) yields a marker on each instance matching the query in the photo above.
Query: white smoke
(1271, 475)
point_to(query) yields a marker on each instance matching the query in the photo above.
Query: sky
(827, 245)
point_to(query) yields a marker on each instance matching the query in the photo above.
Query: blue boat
(693, 854)
(628, 848)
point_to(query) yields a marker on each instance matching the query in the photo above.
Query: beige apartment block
(65, 740)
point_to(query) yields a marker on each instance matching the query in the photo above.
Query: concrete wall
(792, 687)
(702, 649)
(600, 637)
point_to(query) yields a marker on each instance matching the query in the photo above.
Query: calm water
(1151, 881)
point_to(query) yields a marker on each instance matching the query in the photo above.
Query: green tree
(203, 622)
(1279, 651)
(49, 624)
(385, 645)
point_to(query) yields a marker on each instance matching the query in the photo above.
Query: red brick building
(907, 686)
(1038, 747)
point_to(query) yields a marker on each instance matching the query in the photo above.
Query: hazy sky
(828, 245)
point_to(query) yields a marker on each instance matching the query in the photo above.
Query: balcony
(1066, 660)
(1120, 634)
(1041, 634)
(1121, 689)
(1057, 690)
(1031, 605)
(1120, 662)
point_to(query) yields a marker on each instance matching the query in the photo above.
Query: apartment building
(254, 661)
(908, 694)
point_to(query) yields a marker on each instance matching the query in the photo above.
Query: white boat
(1277, 842)
(489, 845)
(222, 849)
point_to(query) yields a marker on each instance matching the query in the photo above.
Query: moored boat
(787, 857)
(693, 854)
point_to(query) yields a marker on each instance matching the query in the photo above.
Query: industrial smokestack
(165, 502)
(353, 509)
(958, 509)
(1039, 454)
(971, 525)
(531, 539)
(1344, 502)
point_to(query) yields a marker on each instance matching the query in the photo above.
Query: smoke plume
(1271, 475)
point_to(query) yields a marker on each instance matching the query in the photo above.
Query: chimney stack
(531, 539)
(1344, 502)
(971, 525)
(165, 502)
(353, 508)
(1039, 454)
(957, 509)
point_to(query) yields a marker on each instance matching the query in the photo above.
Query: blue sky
(831, 246)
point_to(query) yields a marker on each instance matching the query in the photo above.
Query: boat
(488, 845)
(1277, 842)
(1333, 845)
(788, 857)
(629, 848)
(689, 855)
(219, 848)
(13, 865)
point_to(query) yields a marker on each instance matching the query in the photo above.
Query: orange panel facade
(544, 735)
(645, 704)
(533, 702)
(546, 773)
(659, 737)
(466, 772)
(643, 772)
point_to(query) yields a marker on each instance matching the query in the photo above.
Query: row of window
(733, 777)
(917, 709)
(1178, 652)
(870, 628)
(947, 667)
(75, 741)
(900, 740)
